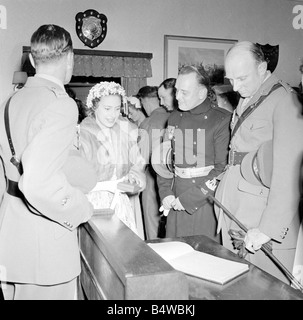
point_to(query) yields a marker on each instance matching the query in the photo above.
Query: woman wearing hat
(109, 142)
(135, 112)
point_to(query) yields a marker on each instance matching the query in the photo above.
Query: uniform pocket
(254, 124)
(247, 187)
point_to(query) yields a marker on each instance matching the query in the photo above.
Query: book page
(172, 249)
(181, 256)
(208, 267)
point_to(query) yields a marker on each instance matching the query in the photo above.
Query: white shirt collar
(50, 78)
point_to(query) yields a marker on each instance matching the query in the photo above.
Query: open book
(185, 258)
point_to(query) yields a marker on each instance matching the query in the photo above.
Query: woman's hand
(110, 186)
(135, 177)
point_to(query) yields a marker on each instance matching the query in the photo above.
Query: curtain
(133, 71)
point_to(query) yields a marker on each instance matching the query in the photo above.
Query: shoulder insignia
(59, 93)
(286, 86)
(223, 111)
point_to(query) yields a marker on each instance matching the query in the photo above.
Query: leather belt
(192, 172)
(235, 157)
(13, 189)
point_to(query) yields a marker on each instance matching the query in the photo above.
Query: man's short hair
(168, 83)
(202, 76)
(49, 43)
(253, 48)
(147, 92)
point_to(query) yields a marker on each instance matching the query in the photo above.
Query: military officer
(268, 210)
(41, 210)
(199, 133)
(152, 129)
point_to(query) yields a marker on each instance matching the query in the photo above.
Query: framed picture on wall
(208, 53)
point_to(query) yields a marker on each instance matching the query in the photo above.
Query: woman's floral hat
(103, 89)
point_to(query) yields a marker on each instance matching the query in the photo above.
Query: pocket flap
(254, 124)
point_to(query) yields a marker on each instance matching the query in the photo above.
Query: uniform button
(64, 201)
(195, 142)
(205, 117)
(181, 114)
(194, 181)
(199, 129)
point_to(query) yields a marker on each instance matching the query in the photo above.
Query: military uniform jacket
(151, 131)
(200, 137)
(41, 246)
(274, 211)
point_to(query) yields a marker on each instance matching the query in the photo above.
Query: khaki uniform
(274, 211)
(40, 246)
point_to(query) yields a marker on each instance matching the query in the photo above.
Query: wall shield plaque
(271, 54)
(91, 27)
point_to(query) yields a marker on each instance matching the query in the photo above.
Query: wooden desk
(118, 265)
(254, 285)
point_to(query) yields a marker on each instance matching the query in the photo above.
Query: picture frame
(196, 51)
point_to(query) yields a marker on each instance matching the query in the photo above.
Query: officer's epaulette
(222, 110)
(60, 93)
(287, 87)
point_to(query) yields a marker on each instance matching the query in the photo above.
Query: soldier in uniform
(151, 135)
(199, 133)
(41, 210)
(268, 210)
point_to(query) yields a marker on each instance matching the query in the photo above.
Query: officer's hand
(167, 201)
(177, 205)
(254, 239)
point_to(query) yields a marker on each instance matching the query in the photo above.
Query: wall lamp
(19, 79)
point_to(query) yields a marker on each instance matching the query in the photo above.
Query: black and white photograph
(151, 153)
